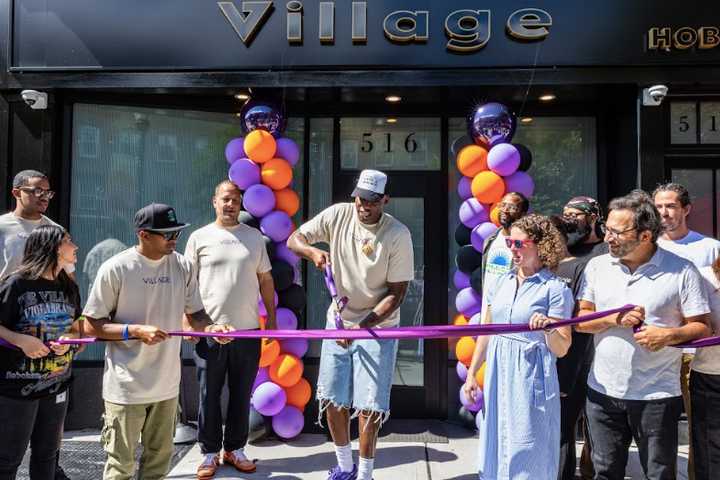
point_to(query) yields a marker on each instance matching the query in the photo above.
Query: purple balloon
(288, 150)
(520, 182)
(261, 305)
(490, 124)
(263, 375)
(286, 319)
(473, 213)
(480, 233)
(234, 150)
(468, 302)
(283, 253)
(289, 422)
(469, 404)
(461, 370)
(268, 399)
(295, 346)
(244, 173)
(259, 200)
(503, 159)
(262, 115)
(276, 225)
(461, 280)
(463, 188)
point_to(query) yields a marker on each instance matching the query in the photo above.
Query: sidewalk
(412, 450)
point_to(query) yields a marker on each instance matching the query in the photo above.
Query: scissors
(339, 304)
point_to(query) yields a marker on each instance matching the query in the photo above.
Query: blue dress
(520, 425)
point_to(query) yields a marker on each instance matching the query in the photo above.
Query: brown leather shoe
(208, 468)
(242, 464)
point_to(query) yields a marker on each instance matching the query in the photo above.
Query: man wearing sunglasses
(634, 382)
(32, 194)
(138, 296)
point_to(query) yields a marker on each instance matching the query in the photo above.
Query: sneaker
(237, 459)
(60, 473)
(209, 466)
(336, 474)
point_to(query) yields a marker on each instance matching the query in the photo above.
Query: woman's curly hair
(549, 240)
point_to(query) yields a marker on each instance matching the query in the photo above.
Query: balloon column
(261, 165)
(490, 166)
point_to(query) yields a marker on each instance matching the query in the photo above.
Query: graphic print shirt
(46, 310)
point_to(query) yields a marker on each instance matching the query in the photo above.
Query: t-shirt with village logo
(44, 309)
(14, 232)
(228, 261)
(364, 258)
(131, 288)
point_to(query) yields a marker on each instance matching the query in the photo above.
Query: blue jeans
(358, 377)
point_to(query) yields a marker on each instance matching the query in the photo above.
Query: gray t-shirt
(227, 261)
(670, 289)
(131, 288)
(14, 232)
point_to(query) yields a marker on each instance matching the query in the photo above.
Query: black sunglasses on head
(168, 236)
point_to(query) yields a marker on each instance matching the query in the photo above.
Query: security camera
(653, 96)
(34, 99)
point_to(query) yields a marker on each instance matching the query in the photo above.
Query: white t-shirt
(499, 262)
(702, 251)
(14, 232)
(131, 288)
(227, 261)
(707, 359)
(671, 289)
(364, 258)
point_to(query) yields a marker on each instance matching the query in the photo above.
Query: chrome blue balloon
(490, 124)
(264, 115)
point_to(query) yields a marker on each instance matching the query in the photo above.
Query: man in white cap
(371, 255)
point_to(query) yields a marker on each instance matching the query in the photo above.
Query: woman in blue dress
(520, 423)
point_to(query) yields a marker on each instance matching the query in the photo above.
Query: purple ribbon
(339, 304)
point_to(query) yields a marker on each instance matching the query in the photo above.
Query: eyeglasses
(168, 236)
(517, 243)
(509, 207)
(574, 215)
(39, 192)
(614, 234)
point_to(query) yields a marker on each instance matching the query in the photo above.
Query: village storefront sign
(467, 30)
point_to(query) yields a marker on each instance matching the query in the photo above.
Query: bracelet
(126, 332)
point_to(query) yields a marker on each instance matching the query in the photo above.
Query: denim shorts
(358, 377)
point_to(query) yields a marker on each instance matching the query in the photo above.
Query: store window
(564, 165)
(126, 157)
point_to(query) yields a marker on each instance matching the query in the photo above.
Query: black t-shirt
(43, 309)
(573, 368)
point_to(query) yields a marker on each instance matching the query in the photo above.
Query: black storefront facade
(143, 96)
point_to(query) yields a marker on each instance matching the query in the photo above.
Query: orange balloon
(287, 200)
(495, 214)
(269, 352)
(464, 350)
(480, 375)
(286, 370)
(299, 394)
(261, 322)
(259, 146)
(276, 173)
(460, 319)
(472, 160)
(488, 187)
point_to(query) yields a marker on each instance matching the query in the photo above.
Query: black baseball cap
(158, 217)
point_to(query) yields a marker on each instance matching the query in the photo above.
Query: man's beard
(624, 248)
(506, 221)
(578, 234)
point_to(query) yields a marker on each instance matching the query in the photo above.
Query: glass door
(409, 151)
(703, 183)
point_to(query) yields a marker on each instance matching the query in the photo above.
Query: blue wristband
(126, 331)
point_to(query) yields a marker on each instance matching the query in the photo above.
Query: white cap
(371, 185)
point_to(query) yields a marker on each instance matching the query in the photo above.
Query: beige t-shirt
(14, 232)
(227, 261)
(362, 274)
(131, 288)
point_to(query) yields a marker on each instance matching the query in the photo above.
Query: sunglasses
(510, 242)
(168, 236)
(39, 192)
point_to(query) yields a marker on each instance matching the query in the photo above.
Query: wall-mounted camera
(34, 99)
(653, 96)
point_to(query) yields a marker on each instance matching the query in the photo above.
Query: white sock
(344, 457)
(365, 469)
